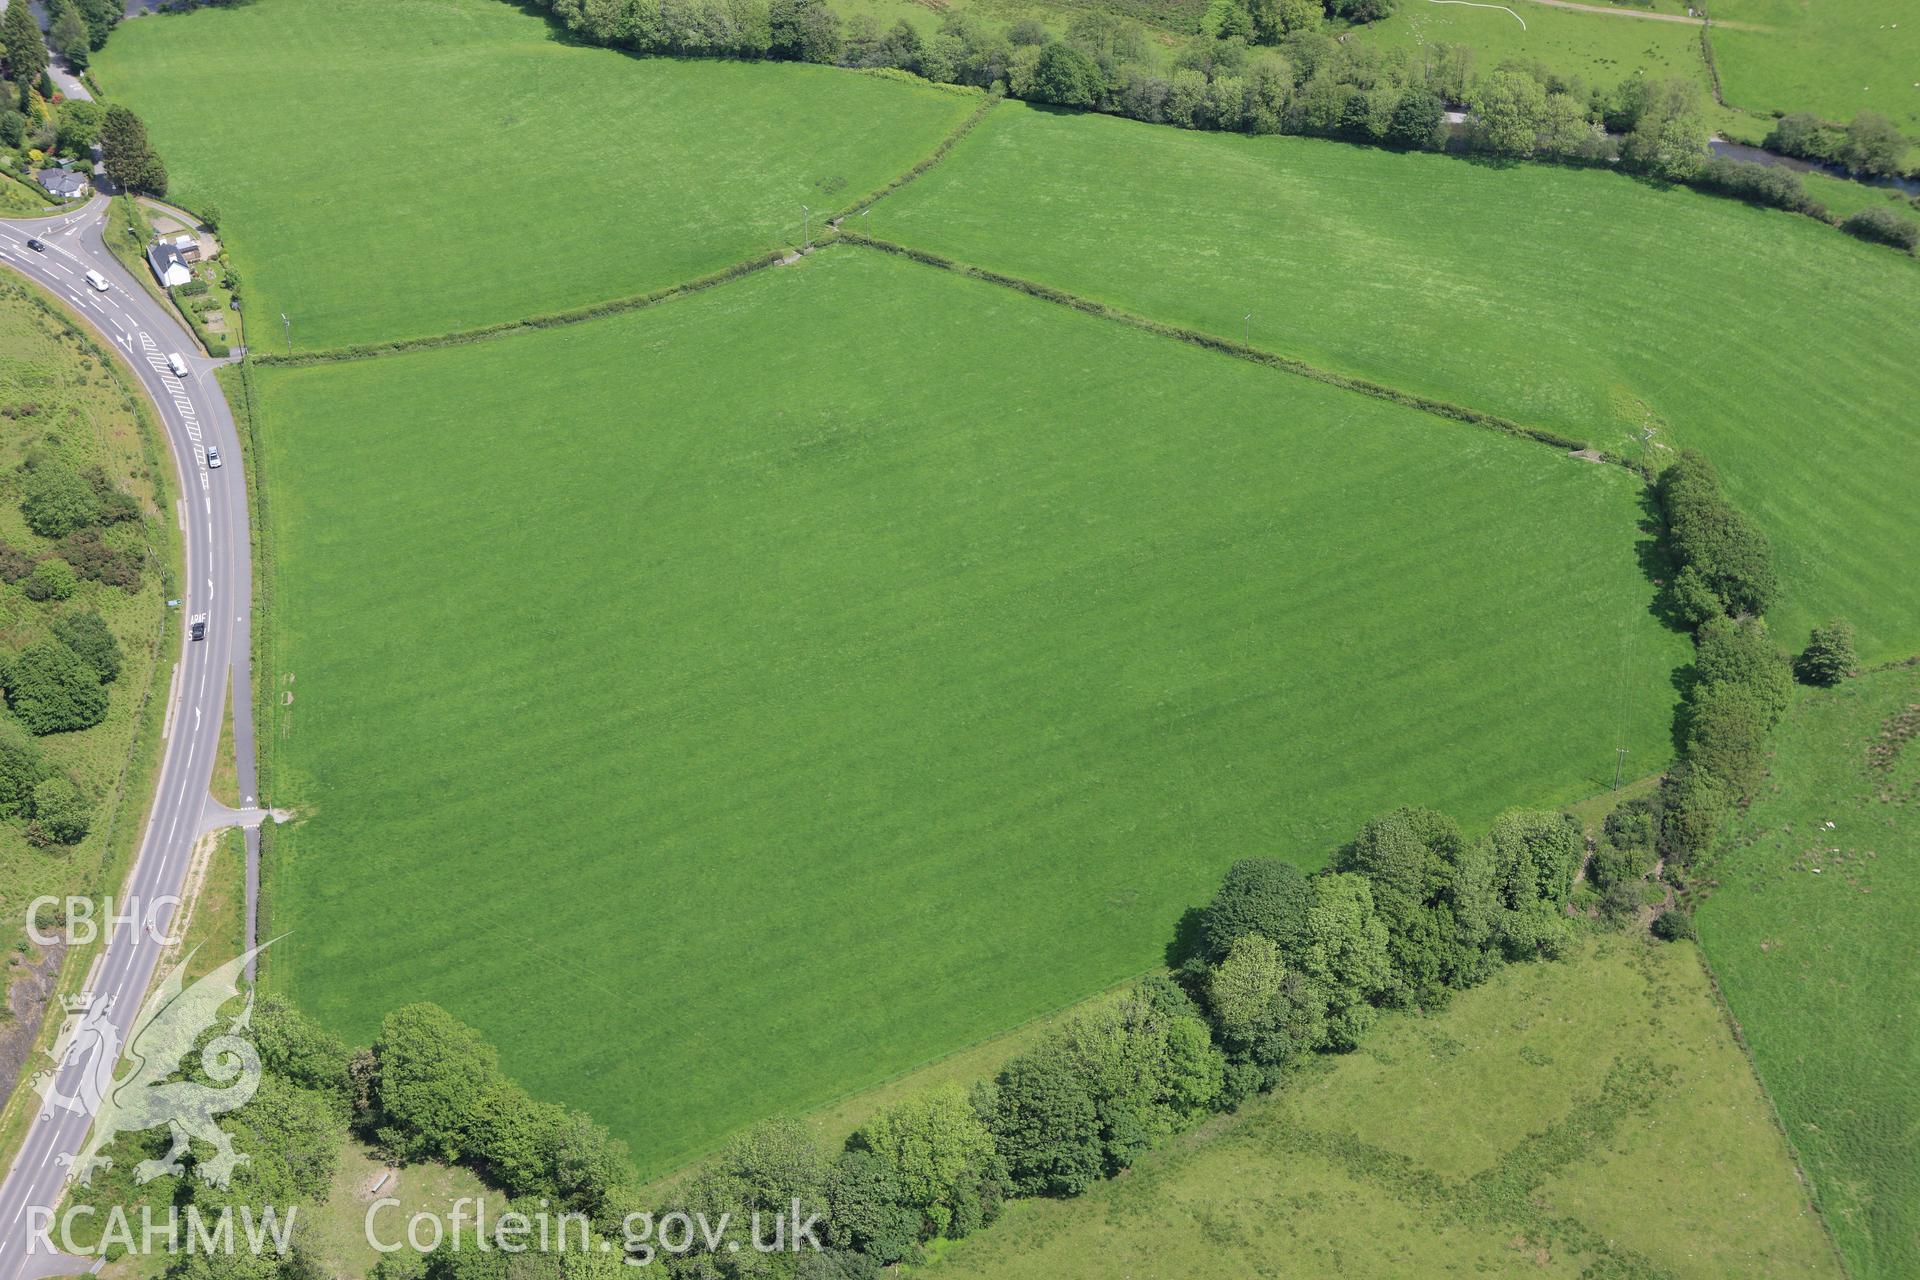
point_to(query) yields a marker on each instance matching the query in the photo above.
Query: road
(218, 582)
(1642, 14)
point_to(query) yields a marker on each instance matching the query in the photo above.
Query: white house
(168, 266)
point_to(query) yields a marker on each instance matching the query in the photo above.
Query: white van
(175, 363)
(98, 281)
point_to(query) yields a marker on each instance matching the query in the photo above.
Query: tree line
(1276, 967)
(1720, 580)
(1260, 67)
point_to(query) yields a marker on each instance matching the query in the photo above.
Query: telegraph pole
(287, 325)
(806, 228)
(1619, 758)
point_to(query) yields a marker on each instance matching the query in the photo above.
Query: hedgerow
(1213, 342)
(549, 320)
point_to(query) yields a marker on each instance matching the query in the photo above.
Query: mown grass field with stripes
(733, 704)
(867, 660)
(451, 164)
(1577, 300)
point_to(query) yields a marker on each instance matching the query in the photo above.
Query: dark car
(198, 627)
(38, 246)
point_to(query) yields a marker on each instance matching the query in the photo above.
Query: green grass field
(1574, 299)
(1843, 197)
(1811, 932)
(734, 703)
(1518, 1133)
(1600, 49)
(1831, 57)
(450, 164)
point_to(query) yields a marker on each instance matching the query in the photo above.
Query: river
(1754, 155)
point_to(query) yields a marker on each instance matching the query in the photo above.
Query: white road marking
(160, 862)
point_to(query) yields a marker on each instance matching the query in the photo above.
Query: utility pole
(1247, 328)
(288, 326)
(864, 224)
(1619, 758)
(806, 228)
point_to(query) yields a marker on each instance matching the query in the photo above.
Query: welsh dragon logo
(157, 1046)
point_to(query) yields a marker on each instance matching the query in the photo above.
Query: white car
(98, 281)
(213, 458)
(175, 363)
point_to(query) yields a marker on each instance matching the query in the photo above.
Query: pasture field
(1830, 57)
(1599, 49)
(1587, 1118)
(451, 164)
(58, 393)
(1810, 930)
(1574, 299)
(1843, 197)
(729, 705)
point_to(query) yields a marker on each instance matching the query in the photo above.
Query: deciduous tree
(1873, 145)
(1509, 108)
(87, 634)
(58, 500)
(1828, 658)
(1045, 1123)
(942, 1157)
(53, 691)
(1267, 896)
(1346, 955)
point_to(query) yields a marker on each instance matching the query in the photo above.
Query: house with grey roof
(169, 268)
(64, 183)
